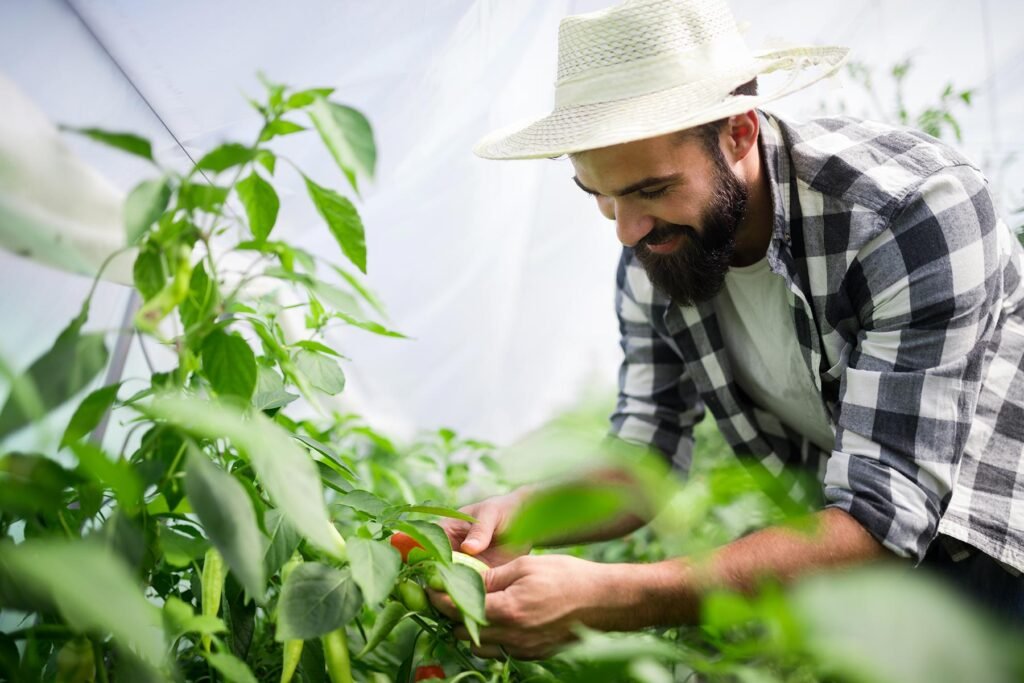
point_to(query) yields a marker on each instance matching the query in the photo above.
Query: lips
(663, 240)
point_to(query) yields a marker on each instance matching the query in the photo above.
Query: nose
(631, 224)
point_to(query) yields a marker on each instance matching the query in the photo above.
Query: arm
(534, 602)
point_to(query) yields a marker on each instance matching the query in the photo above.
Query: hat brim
(591, 126)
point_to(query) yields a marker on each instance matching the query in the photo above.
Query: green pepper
(339, 668)
(292, 648)
(76, 662)
(413, 596)
(214, 573)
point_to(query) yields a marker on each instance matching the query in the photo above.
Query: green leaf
(440, 511)
(329, 454)
(144, 206)
(342, 220)
(364, 292)
(203, 197)
(304, 98)
(369, 326)
(118, 475)
(348, 136)
(71, 364)
(375, 567)
(364, 501)
(229, 364)
(267, 160)
(323, 372)
(89, 413)
(311, 345)
(466, 589)
(231, 667)
(279, 127)
(387, 619)
(148, 273)
(432, 537)
(284, 469)
(557, 512)
(226, 512)
(270, 393)
(30, 483)
(178, 549)
(283, 541)
(226, 156)
(316, 599)
(261, 204)
(93, 589)
(180, 618)
(126, 142)
(201, 300)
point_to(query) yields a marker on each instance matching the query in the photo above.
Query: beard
(695, 271)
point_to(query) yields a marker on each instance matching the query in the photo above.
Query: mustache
(663, 233)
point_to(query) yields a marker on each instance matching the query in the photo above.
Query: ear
(741, 135)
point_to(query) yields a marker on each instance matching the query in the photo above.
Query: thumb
(504, 575)
(479, 536)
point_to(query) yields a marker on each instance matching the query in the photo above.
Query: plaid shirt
(908, 303)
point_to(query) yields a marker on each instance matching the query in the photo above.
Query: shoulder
(868, 164)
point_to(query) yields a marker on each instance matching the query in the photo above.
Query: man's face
(676, 203)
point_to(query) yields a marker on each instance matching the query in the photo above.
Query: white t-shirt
(760, 339)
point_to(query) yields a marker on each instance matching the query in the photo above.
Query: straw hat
(651, 67)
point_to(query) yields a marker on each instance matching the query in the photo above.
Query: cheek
(607, 207)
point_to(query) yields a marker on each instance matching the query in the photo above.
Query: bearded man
(839, 294)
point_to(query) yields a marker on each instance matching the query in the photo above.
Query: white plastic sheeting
(502, 272)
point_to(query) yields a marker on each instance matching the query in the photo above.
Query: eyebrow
(646, 182)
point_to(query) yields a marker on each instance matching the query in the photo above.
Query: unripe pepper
(76, 662)
(214, 573)
(339, 667)
(413, 596)
(292, 648)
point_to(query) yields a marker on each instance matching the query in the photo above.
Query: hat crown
(639, 30)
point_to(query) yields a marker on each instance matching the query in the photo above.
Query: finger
(479, 536)
(444, 604)
(504, 575)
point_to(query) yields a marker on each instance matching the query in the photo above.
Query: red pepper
(404, 543)
(425, 672)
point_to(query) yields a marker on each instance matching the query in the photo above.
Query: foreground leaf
(323, 372)
(432, 537)
(557, 512)
(316, 599)
(225, 156)
(93, 589)
(228, 517)
(466, 589)
(375, 567)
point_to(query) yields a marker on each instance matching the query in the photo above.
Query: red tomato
(403, 543)
(425, 672)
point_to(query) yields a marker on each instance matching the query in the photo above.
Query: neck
(755, 230)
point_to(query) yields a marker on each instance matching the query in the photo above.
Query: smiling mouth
(663, 240)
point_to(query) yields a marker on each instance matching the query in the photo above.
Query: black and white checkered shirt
(907, 295)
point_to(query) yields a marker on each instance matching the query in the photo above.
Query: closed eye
(652, 194)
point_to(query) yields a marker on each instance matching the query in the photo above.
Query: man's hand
(534, 602)
(481, 538)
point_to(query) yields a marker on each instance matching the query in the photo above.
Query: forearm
(670, 592)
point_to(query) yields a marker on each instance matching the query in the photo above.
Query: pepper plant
(218, 521)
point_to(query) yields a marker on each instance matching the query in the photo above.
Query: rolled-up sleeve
(927, 290)
(658, 405)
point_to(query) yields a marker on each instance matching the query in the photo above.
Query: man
(839, 294)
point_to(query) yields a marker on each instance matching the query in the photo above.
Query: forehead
(621, 165)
